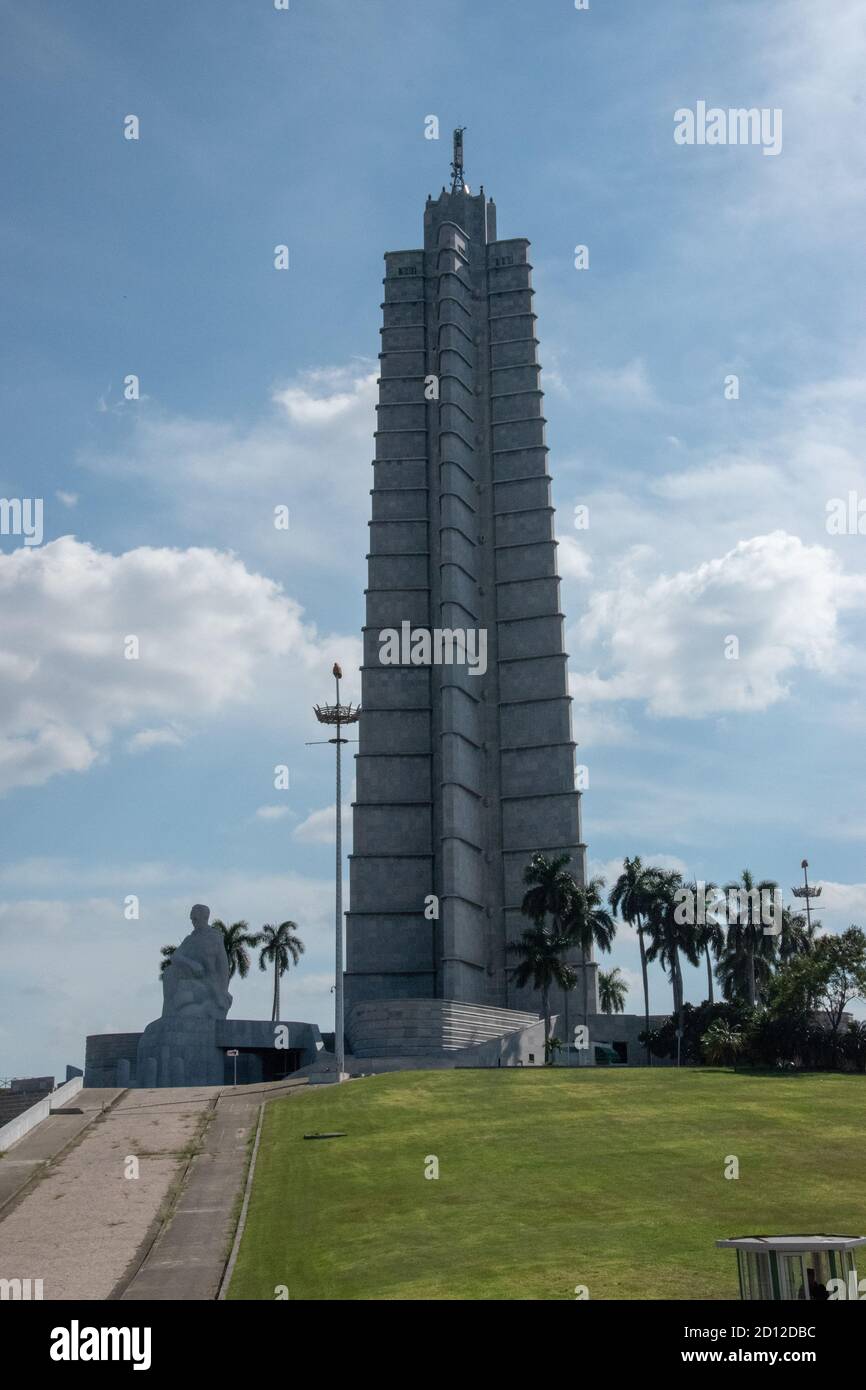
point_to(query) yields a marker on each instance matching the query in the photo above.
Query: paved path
(82, 1223)
(43, 1144)
(189, 1256)
(88, 1231)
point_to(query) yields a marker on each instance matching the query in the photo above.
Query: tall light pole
(338, 715)
(807, 893)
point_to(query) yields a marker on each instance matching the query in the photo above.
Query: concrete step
(425, 1027)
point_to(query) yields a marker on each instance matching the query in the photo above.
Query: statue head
(199, 915)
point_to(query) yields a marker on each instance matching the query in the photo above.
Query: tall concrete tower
(461, 774)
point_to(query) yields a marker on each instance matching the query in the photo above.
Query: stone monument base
(178, 1051)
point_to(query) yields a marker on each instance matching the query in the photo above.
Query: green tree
(236, 939)
(542, 965)
(671, 935)
(732, 969)
(166, 952)
(829, 978)
(798, 937)
(280, 946)
(722, 1044)
(589, 925)
(695, 1020)
(612, 991)
(746, 935)
(854, 1043)
(550, 891)
(824, 980)
(549, 903)
(709, 934)
(630, 899)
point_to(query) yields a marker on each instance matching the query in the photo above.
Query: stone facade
(407, 1027)
(115, 1059)
(461, 776)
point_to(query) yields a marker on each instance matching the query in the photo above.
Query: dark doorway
(255, 1064)
(278, 1063)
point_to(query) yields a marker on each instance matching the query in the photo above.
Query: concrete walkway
(73, 1213)
(78, 1227)
(189, 1254)
(47, 1141)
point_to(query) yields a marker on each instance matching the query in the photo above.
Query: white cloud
(797, 451)
(319, 828)
(323, 395)
(272, 812)
(154, 738)
(721, 482)
(69, 499)
(573, 561)
(610, 869)
(310, 452)
(665, 640)
(839, 905)
(212, 638)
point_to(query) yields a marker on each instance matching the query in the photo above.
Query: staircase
(426, 1027)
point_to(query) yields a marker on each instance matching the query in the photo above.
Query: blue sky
(707, 515)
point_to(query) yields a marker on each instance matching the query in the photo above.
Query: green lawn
(547, 1179)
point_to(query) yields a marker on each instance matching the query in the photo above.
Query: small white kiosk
(787, 1267)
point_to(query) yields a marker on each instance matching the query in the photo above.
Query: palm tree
(722, 1044)
(281, 943)
(550, 895)
(732, 968)
(745, 929)
(798, 936)
(542, 949)
(630, 897)
(709, 934)
(166, 952)
(236, 939)
(669, 938)
(612, 991)
(590, 924)
(550, 891)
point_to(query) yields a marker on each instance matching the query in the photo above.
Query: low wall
(620, 1028)
(111, 1059)
(104, 1052)
(417, 1032)
(29, 1119)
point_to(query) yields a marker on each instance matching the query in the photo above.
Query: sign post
(233, 1052)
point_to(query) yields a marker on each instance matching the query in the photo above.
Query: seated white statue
(195, 983)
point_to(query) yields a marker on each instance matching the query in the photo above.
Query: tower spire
(457, 183)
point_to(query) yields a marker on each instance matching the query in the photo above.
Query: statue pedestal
(180, 1051)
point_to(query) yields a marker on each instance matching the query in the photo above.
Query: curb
(242, 1219)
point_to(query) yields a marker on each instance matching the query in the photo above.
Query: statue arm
(191, 965)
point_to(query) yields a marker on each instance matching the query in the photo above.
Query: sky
(153, 778)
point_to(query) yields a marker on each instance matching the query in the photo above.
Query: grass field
(547, 1179)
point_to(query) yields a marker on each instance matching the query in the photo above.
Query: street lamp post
(807, 892)
(338, 715)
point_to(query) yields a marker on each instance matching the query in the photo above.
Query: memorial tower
(465, 768)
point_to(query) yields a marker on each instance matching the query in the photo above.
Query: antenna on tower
(457, 183)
